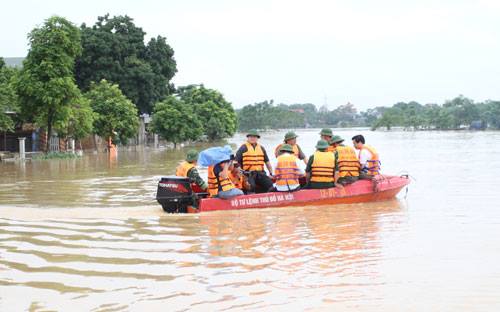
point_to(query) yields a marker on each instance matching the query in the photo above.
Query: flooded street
(86, 234)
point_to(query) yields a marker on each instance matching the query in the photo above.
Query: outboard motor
(174, 194)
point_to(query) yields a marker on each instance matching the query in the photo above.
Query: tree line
(86, 80)
(458, 113)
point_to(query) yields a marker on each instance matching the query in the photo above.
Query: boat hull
(383, 187)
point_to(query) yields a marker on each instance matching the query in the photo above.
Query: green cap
(191, 156)
(286, 148)
(336, 139)
(326, 131)
(322, 144)
(254, 133)
(290, 135)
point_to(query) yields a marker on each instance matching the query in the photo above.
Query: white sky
(370, 53)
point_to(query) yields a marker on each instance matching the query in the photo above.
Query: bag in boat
(214, 155)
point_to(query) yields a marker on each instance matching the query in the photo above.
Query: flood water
(87, 235)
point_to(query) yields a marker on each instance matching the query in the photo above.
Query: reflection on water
(87, 235)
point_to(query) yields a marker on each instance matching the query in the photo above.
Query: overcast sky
(369, 53)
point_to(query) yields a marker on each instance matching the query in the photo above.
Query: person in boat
(187, 169)
(322, 168)
(238, 178)
(252, 157)
(327, 134)
(287, 171)
(291, 139)
(347, 160)
(219, 181)
(368, 158)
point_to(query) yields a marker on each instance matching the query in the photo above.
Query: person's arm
(239, 154)
(309, 168)
(336, 167)
(277, 150)
(266, 160)
(194, 176)
(225, 170)
(302, 156)
(269, 168)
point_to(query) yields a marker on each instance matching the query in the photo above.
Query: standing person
(322, 168)
(252, 157)
(287, 171)
(327, 134)
(348, 161)
(368, 158)
(187, 169)
(291, 139)
(219, 181)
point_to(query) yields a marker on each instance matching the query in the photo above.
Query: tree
(115, 115)
(491, 114)
(46, 83)
(212, 110)
(175, 121)
(79, 121)
(8, 96)
(463, 110)
(113, 49)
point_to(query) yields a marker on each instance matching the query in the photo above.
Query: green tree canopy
(79, 119)
(8, 96)
(46, 82)
(114, 49)
(175, 121)
(115, 115)
(217, 115)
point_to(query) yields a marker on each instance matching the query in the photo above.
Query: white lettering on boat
(168, 185)
(262, 200)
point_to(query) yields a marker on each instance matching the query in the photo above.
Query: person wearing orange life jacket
(347, 160)
(291, 139)
(219, 181)
(237, 177)
(187, 169)
(327, 134)
(368, 158)
(287, 171)
(252, 157)
(322, 168)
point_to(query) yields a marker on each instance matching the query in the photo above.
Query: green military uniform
(320, 185)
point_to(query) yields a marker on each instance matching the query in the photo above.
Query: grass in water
(55, 155)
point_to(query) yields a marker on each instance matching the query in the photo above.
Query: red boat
(175, 194)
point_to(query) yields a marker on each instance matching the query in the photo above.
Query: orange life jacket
(348, 161)
(183, 168)
(237, 180)
(214, 183)
(287, 171)
(372, 165)
(253, 158)
(330, 148)
(323, 167)
(296, 150)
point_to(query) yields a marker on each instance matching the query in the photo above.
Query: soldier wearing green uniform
(188, 169)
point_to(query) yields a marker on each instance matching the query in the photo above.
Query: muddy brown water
(87, 235)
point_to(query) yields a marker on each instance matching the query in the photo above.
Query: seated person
(252, 157)
(368, 158)
(219, 181)
(291, 139)
(322, 168)
(187, 169)
(347, 161)
(287, 172)
(238, 178)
